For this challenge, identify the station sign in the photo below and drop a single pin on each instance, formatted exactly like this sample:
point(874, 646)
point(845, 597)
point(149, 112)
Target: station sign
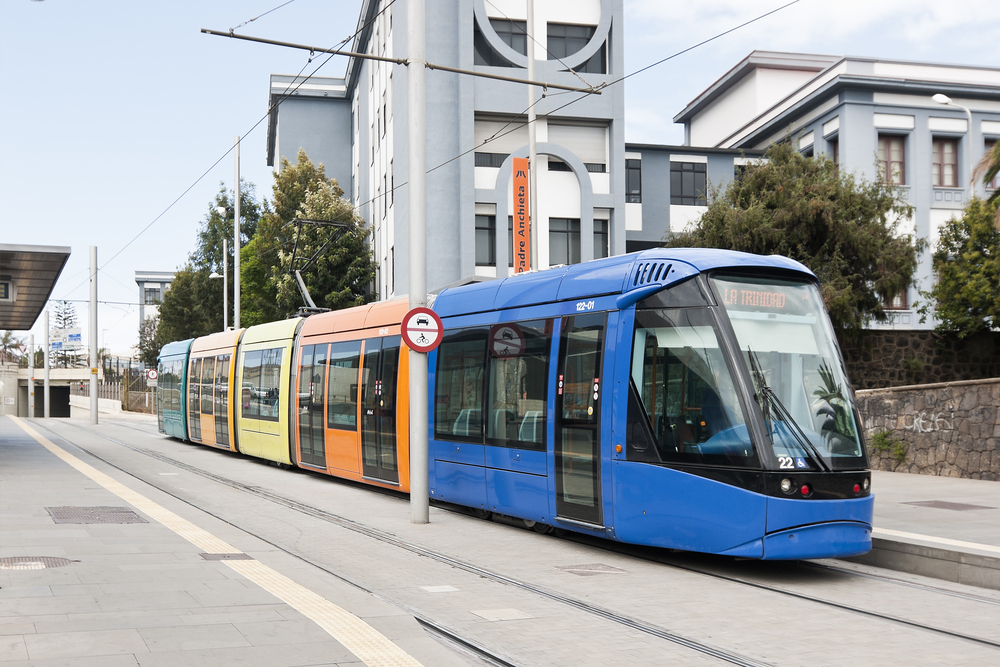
point(421, 329)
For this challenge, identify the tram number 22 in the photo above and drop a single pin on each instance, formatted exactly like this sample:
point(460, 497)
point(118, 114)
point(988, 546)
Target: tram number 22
point(786, 462)
point(584, 306)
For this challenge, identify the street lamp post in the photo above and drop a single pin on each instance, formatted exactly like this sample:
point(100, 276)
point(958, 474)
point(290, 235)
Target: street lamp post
point(225, 280)
point(940, 98)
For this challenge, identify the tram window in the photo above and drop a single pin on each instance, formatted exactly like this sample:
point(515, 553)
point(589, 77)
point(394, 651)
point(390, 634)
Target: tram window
point(194, 386)
point(342, 386)
point(269, 391)
point(176, 367)
point(207, 385)
point(458, 394)
point(251, 382)
point(222, 399)
point(682, 295)
point(518, 379)
point(682, 388)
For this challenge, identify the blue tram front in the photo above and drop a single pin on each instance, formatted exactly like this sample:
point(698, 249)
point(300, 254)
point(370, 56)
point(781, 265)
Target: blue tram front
point(682, 398)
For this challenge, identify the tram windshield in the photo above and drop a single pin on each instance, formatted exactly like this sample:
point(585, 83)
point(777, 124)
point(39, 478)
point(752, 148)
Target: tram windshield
point(784, 325)
point(682, 387)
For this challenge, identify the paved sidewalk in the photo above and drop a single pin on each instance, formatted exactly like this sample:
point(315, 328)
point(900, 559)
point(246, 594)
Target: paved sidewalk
point(110, 594)
point(942, 527)
point(141, 595)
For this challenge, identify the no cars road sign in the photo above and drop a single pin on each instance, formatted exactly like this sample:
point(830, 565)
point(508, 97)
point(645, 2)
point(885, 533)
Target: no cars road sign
point(421, 329)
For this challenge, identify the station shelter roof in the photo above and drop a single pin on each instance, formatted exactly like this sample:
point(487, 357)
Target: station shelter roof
point(30, 273)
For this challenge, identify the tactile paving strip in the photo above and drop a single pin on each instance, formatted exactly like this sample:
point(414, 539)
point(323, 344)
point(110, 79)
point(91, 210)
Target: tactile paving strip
point(33, 562)
point(94, 515)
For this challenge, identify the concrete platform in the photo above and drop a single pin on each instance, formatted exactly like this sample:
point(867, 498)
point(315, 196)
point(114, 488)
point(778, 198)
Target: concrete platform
point(153, 594)
point(942, 527)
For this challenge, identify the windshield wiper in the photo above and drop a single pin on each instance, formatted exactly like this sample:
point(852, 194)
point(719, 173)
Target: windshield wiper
point(766, 398)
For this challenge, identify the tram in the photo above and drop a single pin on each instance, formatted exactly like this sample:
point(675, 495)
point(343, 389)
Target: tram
point(691, 399)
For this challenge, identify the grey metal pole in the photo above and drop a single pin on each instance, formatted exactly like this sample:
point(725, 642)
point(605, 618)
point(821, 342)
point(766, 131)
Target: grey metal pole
point(93, 334)
point(45, 385)
point(236, 241)
point(31, 376)
point(532, 145)
point(225, 284)
point(416, 108)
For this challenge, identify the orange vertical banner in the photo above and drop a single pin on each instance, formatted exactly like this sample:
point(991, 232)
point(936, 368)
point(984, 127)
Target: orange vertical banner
point(522, 226)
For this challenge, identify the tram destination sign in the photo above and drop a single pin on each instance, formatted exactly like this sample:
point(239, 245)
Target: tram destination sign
point(421, 329)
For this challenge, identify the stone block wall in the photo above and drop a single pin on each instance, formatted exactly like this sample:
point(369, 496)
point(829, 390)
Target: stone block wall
point(886, 358)
point(950, 429)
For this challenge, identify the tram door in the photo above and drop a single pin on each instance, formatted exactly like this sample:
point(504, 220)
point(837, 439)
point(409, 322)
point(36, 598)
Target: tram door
point(578, 418)
point(379, 371)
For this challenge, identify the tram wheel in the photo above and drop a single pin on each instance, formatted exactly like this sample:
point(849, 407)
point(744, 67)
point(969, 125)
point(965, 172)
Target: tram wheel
point(542, 528)
point(481, 513)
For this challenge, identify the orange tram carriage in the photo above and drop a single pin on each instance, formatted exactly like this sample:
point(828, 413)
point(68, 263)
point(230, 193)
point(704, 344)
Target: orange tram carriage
point(684, 398)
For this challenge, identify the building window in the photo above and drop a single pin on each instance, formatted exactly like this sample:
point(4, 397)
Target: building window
point(565, 40)
point(486, 240)
point(490, 159)
point(564, 241)
point(558, 165)
point(891, 158)
point(688, 183)
point(600, 239)
point(633, 181)
point(596, 167)
point(995, 183)
point(152, 296)
point(897, 302)
point(944, 163)
point(512, 33)
point(835, 150)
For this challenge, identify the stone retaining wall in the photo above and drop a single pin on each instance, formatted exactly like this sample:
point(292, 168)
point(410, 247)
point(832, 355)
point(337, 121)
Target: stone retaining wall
point(950, 429)
point(887, 358)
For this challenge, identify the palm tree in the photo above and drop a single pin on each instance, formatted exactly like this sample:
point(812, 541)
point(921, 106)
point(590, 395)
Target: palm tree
point(9, 342)
point(987, 170)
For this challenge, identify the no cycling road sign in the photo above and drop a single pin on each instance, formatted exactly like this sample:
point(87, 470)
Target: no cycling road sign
point(421, 329)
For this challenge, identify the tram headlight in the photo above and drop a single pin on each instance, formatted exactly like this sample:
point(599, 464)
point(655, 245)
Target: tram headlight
point(787, 485)
point(865, 484)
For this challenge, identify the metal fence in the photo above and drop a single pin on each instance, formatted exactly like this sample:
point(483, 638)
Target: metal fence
point(136, 395)
point(131, 390)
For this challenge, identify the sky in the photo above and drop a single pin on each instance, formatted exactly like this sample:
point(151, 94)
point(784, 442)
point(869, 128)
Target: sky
point(112, 112)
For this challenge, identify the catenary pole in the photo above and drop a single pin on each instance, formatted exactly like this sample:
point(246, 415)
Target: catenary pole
point(45, 356)
point(93, 334)
point(416, 110)
point(532, 145)
point(236, 240)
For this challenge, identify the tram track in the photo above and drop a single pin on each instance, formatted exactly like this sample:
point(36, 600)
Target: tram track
point(619, 548)
point(642, 553)
point(444, 633)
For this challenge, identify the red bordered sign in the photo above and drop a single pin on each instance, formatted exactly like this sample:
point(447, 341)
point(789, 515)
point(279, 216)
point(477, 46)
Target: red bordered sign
point(421, 330)
point(506, 340)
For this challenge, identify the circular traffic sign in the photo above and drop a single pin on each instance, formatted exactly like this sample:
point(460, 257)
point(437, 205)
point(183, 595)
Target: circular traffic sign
point(421, 329)
point(151, 374)
point(506, 340)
